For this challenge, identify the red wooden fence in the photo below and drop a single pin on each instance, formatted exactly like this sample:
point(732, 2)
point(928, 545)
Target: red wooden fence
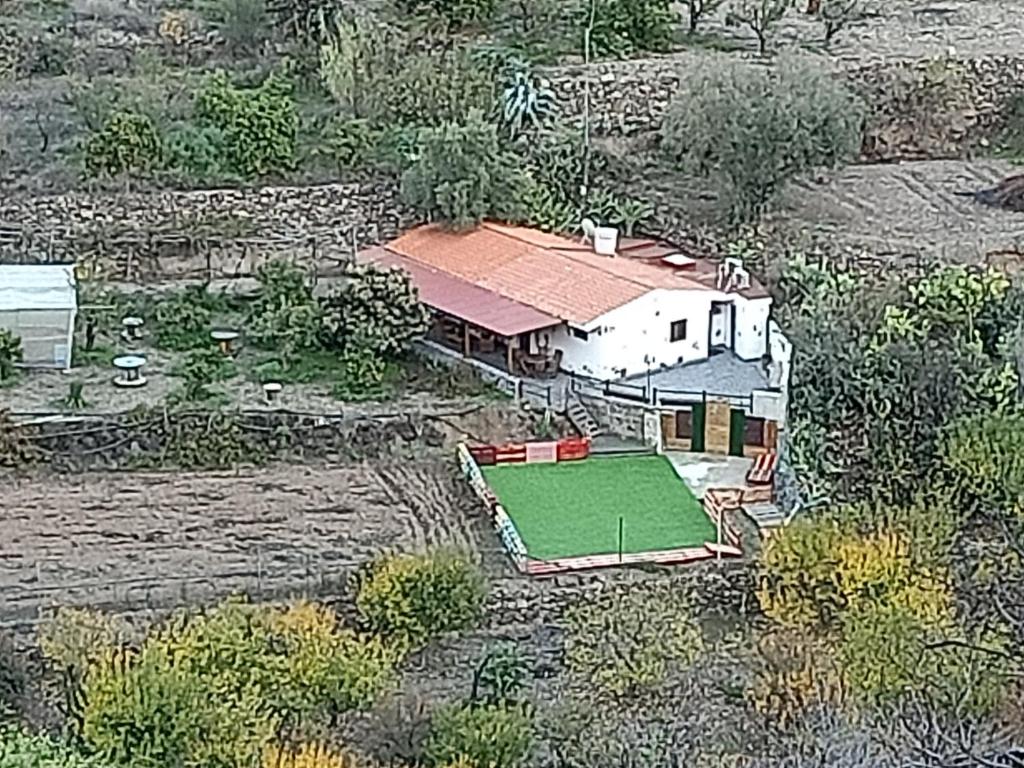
point(566, 449)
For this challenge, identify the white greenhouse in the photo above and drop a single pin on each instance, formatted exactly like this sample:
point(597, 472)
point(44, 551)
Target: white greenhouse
point(38, 303)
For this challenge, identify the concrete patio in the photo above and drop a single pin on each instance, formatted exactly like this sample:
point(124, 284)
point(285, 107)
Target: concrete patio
point(721, 374)
point(701, 471)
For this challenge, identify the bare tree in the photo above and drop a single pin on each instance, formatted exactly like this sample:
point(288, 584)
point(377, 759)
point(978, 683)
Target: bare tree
point(836, 16)
point(760, 16)
point(698, 9)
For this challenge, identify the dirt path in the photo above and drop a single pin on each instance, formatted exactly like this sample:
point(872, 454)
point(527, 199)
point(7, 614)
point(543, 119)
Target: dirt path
point(153, 540)
point(911, 210)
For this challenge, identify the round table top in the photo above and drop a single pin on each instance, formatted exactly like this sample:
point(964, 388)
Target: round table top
point(272, 386)
point(132, 321)
point(129, 361)
point(224, 335)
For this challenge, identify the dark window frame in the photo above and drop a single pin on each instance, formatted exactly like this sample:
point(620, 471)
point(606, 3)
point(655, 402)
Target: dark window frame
point(674, 326)
point(579, 333)
point(754, 430)
point(684, 425)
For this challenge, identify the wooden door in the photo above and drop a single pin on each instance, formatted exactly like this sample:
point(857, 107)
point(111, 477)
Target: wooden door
point(718, 427)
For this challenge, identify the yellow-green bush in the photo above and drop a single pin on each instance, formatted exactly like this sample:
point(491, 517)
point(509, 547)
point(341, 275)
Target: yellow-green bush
point(480, 736)
point(309, 755)
point(412, 598)
point(816, 570)
point(213, 689)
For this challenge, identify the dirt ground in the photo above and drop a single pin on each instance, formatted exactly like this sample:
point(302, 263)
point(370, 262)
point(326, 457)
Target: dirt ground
point(910, 209)
point(153, 540)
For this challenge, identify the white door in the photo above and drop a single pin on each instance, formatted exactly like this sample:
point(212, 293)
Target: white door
point(720, 336)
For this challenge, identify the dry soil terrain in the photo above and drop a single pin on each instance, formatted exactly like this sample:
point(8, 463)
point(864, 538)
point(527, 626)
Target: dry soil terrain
point(911, 209)
point(153, 540)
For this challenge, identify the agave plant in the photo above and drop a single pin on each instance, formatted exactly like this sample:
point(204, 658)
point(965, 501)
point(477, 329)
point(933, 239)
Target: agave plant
point(526, 101)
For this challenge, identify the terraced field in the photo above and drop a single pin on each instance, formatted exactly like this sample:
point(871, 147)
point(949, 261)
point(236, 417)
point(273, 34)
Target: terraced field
point(911, 209)
point(155, 540)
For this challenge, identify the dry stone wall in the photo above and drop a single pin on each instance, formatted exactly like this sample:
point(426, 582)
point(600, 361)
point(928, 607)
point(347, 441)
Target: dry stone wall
point(215, 233)
point(925, 109)
point(630, 98)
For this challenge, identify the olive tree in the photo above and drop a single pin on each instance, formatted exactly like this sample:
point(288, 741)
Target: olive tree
point(752, 130)
point(462, 175)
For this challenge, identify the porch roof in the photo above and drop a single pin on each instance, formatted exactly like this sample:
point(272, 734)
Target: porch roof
point(460, 298)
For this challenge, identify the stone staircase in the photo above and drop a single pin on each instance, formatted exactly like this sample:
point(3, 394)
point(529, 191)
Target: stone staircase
point(765, 514)
point(581, 419)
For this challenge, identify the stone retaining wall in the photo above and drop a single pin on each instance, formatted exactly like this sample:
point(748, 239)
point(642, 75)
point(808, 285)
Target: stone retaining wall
point(155, 438)
point(141, 237)
point(630, 98)
point(926, 109)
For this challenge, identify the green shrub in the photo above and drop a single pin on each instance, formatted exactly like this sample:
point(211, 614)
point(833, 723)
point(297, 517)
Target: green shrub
point(10, 353)
point(500, 675)
point(486, 736)
point(416, 597)
point(363, 373)
point(285, 316)
point(463, 175)
point(183, 319)
point(21, 749)
point(351, 143)
point(128, 142)
point(753, 130)
point(983, 455)
point(378, 73)
point(259, 124)
point(194, 151)
point(621, 27)
point(202, 367)
point(374, 309)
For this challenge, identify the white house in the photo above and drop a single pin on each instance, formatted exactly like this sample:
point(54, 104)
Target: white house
point(38, 303)
point(531, 301)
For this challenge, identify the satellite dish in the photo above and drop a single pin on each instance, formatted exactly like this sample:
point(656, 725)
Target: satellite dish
point(589, 228)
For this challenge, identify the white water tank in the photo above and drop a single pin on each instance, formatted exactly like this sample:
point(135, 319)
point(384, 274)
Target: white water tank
point(606, 240)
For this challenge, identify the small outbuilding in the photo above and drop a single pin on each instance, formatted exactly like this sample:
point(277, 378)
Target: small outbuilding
point(38, 303)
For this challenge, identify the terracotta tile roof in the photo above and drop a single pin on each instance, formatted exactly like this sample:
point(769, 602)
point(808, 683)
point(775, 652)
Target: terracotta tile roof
point(454, 296)
point(556, 275)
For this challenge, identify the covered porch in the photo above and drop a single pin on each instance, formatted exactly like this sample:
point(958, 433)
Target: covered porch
point(519, 354)
point(480, 324)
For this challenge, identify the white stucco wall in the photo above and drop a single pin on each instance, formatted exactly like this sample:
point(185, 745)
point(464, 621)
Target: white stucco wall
point(622, 338)
point(751, 327)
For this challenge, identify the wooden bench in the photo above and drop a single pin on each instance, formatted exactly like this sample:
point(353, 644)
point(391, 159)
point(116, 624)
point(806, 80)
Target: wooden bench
point(762, 472)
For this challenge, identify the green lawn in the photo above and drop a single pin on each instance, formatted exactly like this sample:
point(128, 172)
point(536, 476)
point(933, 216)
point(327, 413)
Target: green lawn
point(573, 508)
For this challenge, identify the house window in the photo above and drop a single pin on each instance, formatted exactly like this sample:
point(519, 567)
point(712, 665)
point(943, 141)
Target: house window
point(753, 431)
point(684, 425)
point(579, 333)
point(678, 331)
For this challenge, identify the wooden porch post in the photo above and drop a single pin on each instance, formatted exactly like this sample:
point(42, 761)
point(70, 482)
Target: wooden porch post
point(513, 343)
point(465, 340)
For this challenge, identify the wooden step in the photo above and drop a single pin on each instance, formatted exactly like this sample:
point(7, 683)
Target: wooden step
point(580, 418)
point(766, 515)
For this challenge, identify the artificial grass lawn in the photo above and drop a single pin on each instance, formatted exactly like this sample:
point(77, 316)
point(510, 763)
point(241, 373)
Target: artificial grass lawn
point(572, 508)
